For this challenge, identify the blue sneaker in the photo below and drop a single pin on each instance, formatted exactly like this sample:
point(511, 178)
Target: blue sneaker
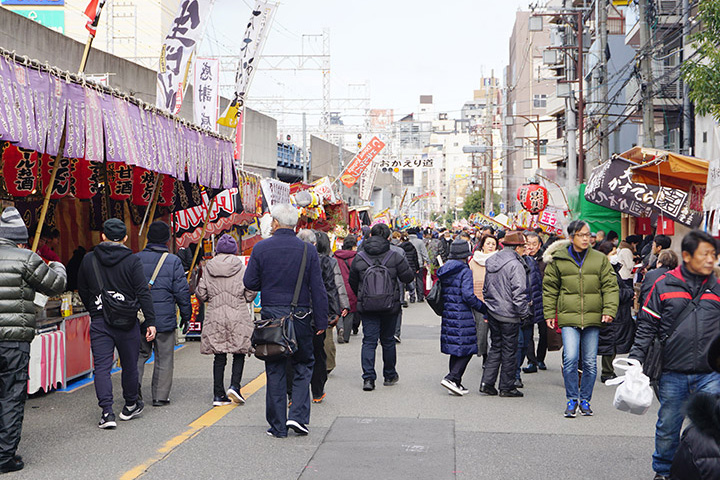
point(571, 409)
point(585, 408)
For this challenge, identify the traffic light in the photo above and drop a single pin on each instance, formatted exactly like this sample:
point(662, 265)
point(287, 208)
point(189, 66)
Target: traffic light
point(359, 144)
point(359, 136)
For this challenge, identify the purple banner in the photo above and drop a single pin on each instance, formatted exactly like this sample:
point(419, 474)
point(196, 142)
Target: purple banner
point(74, 98)
point(39, 87)
point(94, 135)
point(57, 105)
point(8, 129)
point(126, 131)
point(23, 109)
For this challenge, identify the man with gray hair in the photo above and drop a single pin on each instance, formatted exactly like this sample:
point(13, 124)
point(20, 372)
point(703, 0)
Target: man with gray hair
point(273, 270)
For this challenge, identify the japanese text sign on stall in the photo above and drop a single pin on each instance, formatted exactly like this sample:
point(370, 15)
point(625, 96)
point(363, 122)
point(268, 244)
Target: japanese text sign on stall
point(206, 92)
point(179, 45)
point(424, 161)
point(275, 191)
point(361, 161)
point(610, 185)
point(367, 180)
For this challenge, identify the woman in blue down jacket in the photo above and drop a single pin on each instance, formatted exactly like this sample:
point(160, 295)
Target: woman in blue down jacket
point(458, 337)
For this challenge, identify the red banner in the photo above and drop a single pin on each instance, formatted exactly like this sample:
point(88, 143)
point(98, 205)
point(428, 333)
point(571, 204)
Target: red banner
point(84, 178)
point(120, 178)
point(20, 170)
point(62, 177)
point(361, 161)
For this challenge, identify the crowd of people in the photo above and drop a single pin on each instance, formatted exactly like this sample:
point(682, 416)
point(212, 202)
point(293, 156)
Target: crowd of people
point(589, 294)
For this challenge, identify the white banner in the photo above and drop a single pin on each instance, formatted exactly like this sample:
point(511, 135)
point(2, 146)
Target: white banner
point(367, 180)
point(206, 98)
point(185, 33)
point(252, 44)
point(275, 191)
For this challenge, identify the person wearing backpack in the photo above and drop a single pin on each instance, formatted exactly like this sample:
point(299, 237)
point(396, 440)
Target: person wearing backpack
point(111, 283)
point(168, 287)
point(374, 276)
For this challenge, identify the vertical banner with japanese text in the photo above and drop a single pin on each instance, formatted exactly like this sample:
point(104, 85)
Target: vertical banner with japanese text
point(179, 45)
point(206, 83)
point(361, 161)
point(252, 43)
point(367, 181)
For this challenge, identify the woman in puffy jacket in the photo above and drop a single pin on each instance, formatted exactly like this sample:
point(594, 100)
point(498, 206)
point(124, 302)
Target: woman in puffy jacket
point(458, 335)
point(228, 324)
point(487, 247)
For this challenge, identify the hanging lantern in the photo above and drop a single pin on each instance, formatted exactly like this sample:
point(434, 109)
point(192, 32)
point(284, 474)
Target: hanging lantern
point(120, 179)
point(62, 178)
point(20, 169)
point(533, 197)
point(84, 178)
point(167, 191)
point(143, 183)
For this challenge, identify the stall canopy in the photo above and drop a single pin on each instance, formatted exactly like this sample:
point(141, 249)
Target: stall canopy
point(666, 169)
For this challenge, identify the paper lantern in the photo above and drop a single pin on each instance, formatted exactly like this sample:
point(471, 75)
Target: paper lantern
point(143, 182)
point(533, 197)
point(62, 177)
point(20, 169)
point(167, 191)
point(84, 178)
point(120, 178)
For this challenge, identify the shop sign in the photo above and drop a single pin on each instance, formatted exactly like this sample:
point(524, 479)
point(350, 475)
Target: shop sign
point(275, 191)
point(52, 19)
point(55, 3)
point(361, 161)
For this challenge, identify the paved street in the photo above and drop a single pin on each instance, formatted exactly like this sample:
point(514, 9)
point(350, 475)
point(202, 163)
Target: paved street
point(411, 430)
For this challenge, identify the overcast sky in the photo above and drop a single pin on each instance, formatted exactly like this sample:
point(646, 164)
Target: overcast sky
point(402, 48)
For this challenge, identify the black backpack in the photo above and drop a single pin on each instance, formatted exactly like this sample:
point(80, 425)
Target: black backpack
point(377, 290)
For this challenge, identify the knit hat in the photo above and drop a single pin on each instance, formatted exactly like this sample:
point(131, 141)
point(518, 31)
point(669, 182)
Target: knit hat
point(159, 232)
point(514, 238)
point(114, 229)
point(227, 244)
point(12, 226)
point(459, 250)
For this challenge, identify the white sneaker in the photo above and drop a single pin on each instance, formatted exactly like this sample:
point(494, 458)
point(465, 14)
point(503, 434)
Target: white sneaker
point(452, 386)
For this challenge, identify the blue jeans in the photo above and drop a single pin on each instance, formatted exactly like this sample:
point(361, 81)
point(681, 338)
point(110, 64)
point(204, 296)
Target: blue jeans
point(302, 361)
point(575, 340)
point(378, 327)
point(673, 391)
point(526, 336)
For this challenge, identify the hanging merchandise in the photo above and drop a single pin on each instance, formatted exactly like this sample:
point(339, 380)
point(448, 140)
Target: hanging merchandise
point(120, 179)
point(665, 226)
point(643, 226)
point(20, 170)
point(533, 197)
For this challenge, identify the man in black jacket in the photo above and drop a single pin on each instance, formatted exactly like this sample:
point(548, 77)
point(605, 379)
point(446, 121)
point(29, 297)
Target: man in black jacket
point(685, 368)
point(22, 274)
point(122, 276)
point(379, 325)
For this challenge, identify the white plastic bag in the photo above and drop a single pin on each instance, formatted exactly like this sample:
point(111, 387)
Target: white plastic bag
point(633, 393)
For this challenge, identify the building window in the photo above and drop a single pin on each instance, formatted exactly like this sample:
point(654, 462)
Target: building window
point(540, 101)
point(408, 177)
point(528, 163)
point(704, 137)
point(543, 147)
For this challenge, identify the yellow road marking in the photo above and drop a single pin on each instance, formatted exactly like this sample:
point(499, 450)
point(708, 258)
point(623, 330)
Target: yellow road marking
point(208, 419)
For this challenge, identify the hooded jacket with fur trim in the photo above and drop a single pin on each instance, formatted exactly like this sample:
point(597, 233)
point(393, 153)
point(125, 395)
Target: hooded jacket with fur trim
point(698, 455)
point(578, 289)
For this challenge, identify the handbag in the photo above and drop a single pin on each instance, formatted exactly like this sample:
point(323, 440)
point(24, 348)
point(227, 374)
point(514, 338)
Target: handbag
point(274, 338)
point(435, 298)
point(141, 314)
point(116, 309)
point(652, 366)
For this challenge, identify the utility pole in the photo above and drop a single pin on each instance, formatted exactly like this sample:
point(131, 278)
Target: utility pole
point(687, 127)
point(646, 74)
point(602, 80)
point(305, 155)
point(581, 98)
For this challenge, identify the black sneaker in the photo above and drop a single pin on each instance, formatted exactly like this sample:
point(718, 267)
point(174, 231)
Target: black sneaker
point(221, 400)
point(660, 477)
point(234, 394)
point(542, 366)
point(571, 410)
point(12, 465)
point(296, 427)
point(488, 389)
point(369, 385)
point(129, 412)
point(518, 383)
point(511, 393)
point(585, 409)
point(531, 368)
point(107, 421)
point(452, 387)
point(391, 381)
point(397, 338)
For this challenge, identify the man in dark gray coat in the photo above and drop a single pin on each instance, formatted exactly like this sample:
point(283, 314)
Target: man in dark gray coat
point(22, 275)
point(508, 303)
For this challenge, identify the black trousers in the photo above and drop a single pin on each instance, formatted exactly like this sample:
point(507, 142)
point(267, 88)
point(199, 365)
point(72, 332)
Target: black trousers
point(319, 374)
point(14, 359)
point(457, 368)
point(219, 372)
point(502, 357)
point(532, 357)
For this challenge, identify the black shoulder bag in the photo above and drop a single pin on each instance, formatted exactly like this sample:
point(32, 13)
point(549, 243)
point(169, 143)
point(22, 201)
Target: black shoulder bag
point(652, 366)
point(274, 338)
point(117, 310)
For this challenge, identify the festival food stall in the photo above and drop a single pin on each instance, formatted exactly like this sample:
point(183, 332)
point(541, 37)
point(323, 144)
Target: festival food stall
point(74, 154)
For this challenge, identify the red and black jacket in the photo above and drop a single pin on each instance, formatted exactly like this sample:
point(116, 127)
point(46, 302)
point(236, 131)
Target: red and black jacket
point(686, 348)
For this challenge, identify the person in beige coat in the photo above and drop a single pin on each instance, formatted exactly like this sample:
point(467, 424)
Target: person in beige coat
point(228, 324)
point(486, 248)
